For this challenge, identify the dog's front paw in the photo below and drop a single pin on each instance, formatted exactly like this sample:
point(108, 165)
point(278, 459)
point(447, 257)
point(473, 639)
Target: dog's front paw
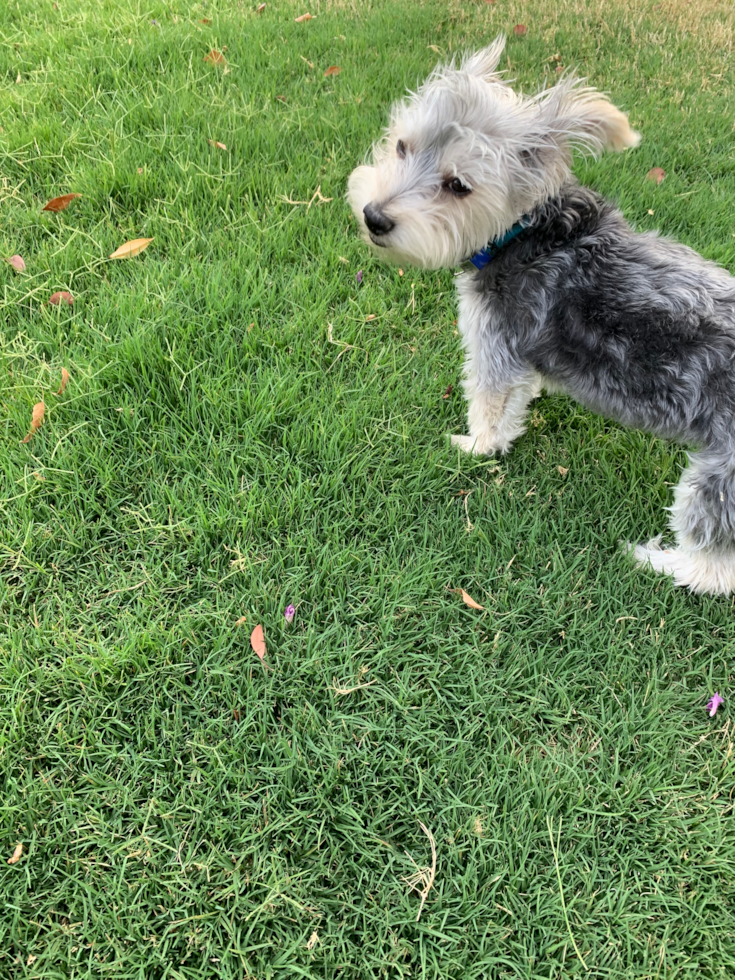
point(474, 445)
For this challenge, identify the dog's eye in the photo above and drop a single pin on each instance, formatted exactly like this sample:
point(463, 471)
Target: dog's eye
point(457, 187)
point(401, 149)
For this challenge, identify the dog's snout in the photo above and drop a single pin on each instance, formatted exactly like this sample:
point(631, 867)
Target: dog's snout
point(377, 222)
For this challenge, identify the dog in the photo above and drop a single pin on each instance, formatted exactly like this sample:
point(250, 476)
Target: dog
point(557, 291)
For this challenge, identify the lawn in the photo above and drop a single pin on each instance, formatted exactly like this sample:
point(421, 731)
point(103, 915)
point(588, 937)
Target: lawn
point(244, 427)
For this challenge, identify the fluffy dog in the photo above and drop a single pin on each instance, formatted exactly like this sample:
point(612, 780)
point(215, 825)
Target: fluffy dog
point(558, 291)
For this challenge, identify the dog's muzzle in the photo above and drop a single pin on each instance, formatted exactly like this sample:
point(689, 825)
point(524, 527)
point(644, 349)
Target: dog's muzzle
point(377, 223)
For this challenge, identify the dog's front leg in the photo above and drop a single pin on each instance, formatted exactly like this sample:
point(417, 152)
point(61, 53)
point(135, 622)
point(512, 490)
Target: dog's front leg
point(498, 388)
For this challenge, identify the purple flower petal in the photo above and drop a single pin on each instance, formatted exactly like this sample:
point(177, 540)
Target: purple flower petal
point(359, 278)
point(714, 703)
point(289, 613)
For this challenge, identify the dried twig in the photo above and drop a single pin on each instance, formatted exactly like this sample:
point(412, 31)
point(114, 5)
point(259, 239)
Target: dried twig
point(423, 876)
point(317, 194)
point(348, 690)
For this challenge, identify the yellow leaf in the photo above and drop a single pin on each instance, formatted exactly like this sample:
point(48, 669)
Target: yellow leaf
point(469, 601)
point(36, 419)
point(129, 249)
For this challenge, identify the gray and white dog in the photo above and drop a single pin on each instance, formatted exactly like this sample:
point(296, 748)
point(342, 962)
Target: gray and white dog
point(561, 293)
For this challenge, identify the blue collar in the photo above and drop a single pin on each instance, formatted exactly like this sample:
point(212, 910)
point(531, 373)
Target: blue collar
point(485, 255)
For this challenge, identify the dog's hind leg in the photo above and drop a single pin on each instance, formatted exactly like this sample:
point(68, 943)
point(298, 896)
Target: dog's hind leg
point(703, 521)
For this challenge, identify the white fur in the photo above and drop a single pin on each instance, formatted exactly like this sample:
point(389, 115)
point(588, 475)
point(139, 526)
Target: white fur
point(514, 152)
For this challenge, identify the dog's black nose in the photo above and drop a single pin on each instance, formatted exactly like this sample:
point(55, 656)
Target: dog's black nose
point(377, 222)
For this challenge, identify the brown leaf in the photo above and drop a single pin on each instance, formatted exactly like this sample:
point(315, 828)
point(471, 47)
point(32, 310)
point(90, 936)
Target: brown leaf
point(332, 70)
point(129, 249)
point(215, 57)
point(36, 421)
point(519, 30)
point(64, 381)
point(657, 174)
point(257, 641)
point(216, 143)
point(17, 263)
point(60, 203)
point(260, 9)
point(448, 392)
point(563, 470)
point(302, 18)
point(17, 854)
point(240, 621)
point(236, 714)
point(281, 98)
point(469, 601)
point(206, 20)
point(58, 298)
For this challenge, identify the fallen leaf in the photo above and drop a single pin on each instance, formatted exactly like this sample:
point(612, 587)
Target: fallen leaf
point(140, 170)
point(206, 20)
point(17, 263)
point(371, 316)
point(448, 392)
point(563, 470)
point(332, 70)
point(303, 17)
point(650, 211)
point(240, 621)
point(36, 421)
point(260, 9)
point(60, 203)
point(236, 714)
point(657, 174)
point(257, 641)
point(216, 143)
point(64, 381)
point(58, 298)
point(129, 249)
point(17, 853)
point(19, 80)
point(280, 98)
point(215, 57)
point(400, 272)
point(519, 30)
point(313, 940)
point(41, 479)
point(469, 601)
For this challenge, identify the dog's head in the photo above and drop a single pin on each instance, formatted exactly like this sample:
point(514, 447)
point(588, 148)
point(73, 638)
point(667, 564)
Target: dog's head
point(465, 157)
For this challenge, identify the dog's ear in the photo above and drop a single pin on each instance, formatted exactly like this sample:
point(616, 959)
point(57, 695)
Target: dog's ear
point(571, 114)
point(484, 62)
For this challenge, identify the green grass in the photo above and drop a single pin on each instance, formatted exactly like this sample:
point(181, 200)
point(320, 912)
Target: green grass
point(238, 434)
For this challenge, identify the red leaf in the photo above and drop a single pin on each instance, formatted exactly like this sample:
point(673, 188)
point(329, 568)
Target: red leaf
point(332, 70)
point(60, 203)
point(257, 641)
point(519, 30)
point(17, 263)
point(58, 298)
point(657, 174)
point(215, 57)
point(64, 381)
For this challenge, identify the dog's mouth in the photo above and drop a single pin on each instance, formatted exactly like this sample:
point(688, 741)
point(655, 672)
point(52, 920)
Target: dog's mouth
point(376, 240)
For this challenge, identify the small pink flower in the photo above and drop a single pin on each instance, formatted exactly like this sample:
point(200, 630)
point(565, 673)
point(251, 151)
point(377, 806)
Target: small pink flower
point(358, 276)
point(289, 613)
point(714, 703)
